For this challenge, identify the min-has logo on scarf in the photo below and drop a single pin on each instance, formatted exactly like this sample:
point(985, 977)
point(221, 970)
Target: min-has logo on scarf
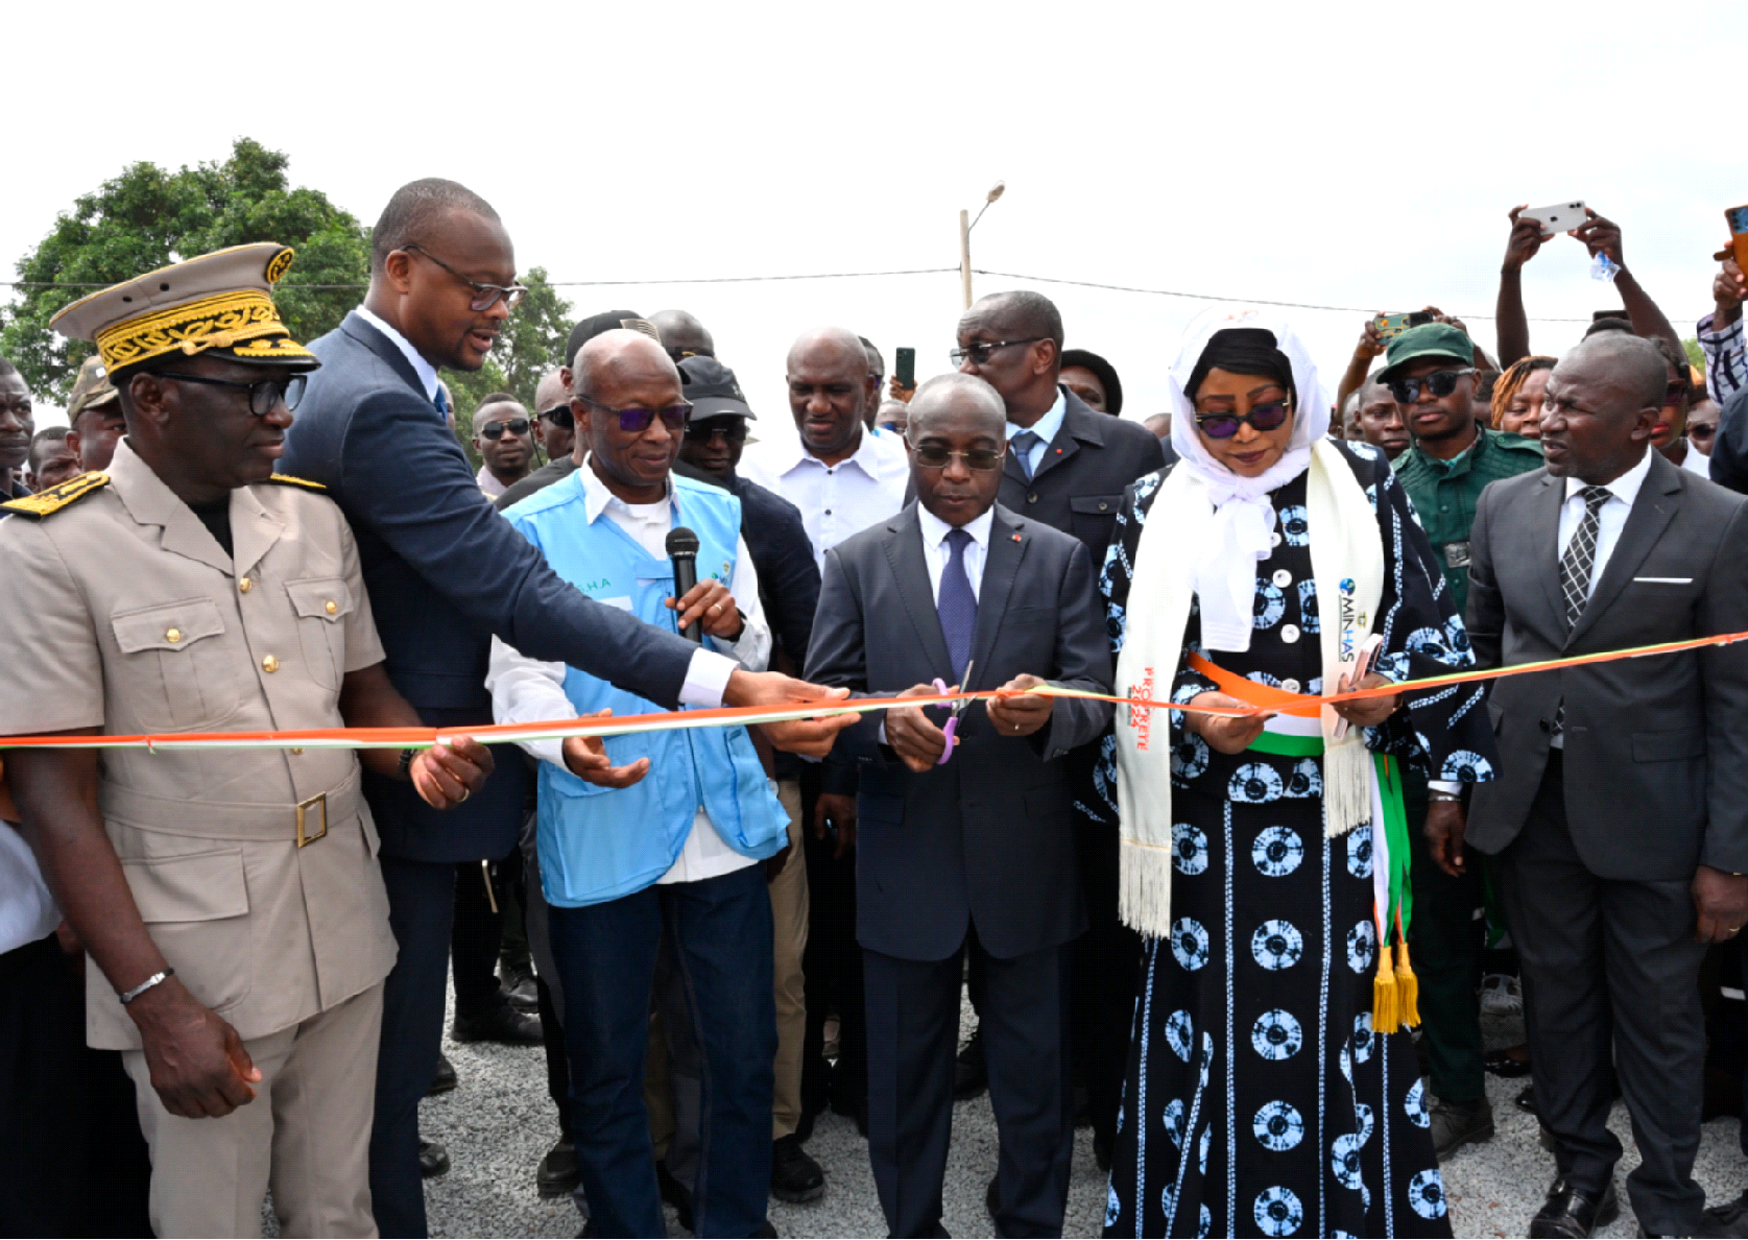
point(1141, 717)
point(1353, 620)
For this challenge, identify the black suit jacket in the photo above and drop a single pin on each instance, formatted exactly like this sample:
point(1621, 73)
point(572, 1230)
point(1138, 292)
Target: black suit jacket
point(1082, 475)
point(1656, 749)
point(445, 572)
point(987, 837)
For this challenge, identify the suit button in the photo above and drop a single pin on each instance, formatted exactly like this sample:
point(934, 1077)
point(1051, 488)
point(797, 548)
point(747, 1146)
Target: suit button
point(1103, 505)
point(1032, 498)
point(270, 664)
point(1289, 633)
point(244, 585)
point(172, 635)
point(330, 607)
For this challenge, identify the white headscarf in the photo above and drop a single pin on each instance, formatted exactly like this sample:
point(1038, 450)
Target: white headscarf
point(1244, 517)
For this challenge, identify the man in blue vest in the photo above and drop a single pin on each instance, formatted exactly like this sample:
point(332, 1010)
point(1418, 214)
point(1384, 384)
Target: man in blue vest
point(634, 867)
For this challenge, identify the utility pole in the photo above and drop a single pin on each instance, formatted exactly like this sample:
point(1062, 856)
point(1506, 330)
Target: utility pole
point(966, 224)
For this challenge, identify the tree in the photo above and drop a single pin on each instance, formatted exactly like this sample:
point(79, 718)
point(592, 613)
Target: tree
point(148, 218)
point(530, 344)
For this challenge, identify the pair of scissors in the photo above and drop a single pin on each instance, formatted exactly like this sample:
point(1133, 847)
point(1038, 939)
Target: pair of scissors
point(957, 709)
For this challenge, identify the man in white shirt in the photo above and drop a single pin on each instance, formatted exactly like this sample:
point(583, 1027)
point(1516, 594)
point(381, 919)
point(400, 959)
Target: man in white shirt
point(1620, 814)
point(503, 435)
point(630, 865)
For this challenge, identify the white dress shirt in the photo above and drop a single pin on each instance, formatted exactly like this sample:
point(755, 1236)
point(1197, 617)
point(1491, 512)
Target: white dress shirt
point(27, 910)
point(937, 554)
point(836, 501)
point(1044, 428)
point(488, 482)
point(526, 690)
point(1696, 462)
point(425, 370)
point(1610, 518)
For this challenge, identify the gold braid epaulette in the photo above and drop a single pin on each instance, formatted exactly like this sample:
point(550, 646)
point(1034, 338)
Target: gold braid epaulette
point(286, 480)
point(47, 503)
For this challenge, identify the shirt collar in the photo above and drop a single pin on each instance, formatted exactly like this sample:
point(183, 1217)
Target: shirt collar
point(1626, 487)
point(867, 457)
point(936, 530)
point(1458, 464)
point(597, 499)
point(425, 370)
point(1045, 428)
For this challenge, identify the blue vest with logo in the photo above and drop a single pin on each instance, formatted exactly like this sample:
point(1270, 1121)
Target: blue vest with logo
point(597, 844)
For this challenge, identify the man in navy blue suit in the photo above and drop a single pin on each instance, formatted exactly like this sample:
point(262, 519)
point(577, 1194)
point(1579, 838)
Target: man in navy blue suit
point(445, 573)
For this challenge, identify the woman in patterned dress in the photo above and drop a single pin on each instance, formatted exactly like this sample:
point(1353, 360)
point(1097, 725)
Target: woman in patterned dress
point(1258, 1099)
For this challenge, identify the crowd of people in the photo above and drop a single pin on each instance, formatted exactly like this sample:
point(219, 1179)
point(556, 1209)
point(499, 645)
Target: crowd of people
point(1251, 950)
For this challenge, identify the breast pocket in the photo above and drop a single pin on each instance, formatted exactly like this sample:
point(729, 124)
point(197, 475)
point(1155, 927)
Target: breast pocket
point(322, 605)
point(175, 670)
point(1092, 517)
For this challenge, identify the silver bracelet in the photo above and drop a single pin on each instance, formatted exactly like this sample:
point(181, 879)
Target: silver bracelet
point(1442, 796)
point(128, 996)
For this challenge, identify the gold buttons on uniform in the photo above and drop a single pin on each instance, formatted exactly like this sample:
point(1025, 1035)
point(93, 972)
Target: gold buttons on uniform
point(172, 635)
point(243, 585)
point(270, 664)
point(331, 607)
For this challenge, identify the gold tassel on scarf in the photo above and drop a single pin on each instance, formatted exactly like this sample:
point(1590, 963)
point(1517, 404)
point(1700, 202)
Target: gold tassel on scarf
point(1407, 985)
point(1386, 1016)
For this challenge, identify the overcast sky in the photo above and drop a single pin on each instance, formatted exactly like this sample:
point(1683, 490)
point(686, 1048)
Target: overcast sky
point(1345, 155)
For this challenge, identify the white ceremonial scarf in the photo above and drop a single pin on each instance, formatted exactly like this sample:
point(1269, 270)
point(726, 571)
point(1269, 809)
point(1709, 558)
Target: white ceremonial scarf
point(1171, 565)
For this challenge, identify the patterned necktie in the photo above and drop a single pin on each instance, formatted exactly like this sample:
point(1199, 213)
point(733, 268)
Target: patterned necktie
point(1022, 445)
point(1579, 561)
point(1576, 566)
point(957, 604)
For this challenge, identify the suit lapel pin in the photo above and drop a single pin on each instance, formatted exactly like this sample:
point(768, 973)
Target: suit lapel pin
point(1016, 538)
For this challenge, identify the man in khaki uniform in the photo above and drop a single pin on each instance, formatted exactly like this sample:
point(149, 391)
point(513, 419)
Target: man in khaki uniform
point(229, 898)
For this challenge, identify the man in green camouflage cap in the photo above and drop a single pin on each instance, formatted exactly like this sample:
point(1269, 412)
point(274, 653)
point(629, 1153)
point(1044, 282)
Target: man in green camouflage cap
point(94, 417)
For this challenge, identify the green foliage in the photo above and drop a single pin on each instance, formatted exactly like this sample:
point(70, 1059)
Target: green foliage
point(1695, 354)
point(530, 344)
point(147, 218)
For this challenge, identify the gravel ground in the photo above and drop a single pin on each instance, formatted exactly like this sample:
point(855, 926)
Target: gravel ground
point(499, 1123)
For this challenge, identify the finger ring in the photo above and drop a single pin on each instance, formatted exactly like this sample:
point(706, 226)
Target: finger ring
point(716, 607)
point(465, 793)
point(1735, 929)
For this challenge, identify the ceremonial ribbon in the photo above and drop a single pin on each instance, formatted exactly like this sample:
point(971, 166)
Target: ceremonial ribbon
point(1258, 699)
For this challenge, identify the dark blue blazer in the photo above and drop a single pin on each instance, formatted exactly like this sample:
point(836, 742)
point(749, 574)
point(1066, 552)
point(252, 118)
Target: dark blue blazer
point(988, 837)
point(445, 572)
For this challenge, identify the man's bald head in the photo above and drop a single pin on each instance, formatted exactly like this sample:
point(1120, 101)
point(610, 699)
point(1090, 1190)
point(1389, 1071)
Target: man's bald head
point(617, 359)
point(680, 330)
point(1630, 364)
point(834, 346)
point(551, 390)
point(958, 393)
point(1601, 407)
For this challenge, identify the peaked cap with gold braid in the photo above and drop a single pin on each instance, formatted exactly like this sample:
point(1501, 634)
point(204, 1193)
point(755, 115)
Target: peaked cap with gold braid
point(219, 303)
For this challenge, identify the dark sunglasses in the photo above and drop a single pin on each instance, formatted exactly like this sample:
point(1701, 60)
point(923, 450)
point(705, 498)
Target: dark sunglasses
point(731, 430)
point(495, 430)
point(485, 296)
point(979, 351)
point(558, 415)
point(264, 394)
point(1702, 431)
point(1440, 383)
point(934, 456)
point(636, 421)
point(1673, 394)
point(1265, 417)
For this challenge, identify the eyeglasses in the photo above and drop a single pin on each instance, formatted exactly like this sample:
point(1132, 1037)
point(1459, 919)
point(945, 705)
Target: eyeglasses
point(979, 351)
point(264, 394)
point(558, 415)
point(495, 430)
point(731, 430)
point(1704, 430)
point(1673, 394)
point(934, 456)
point(485, 296)
point(636, 421)
point(1440, 383)
point(1265, 417)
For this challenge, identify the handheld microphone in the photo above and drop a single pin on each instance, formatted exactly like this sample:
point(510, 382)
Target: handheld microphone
point(683, 553)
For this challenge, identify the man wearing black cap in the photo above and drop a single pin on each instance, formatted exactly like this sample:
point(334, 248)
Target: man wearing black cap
point(789, 590)
point(1093, 379)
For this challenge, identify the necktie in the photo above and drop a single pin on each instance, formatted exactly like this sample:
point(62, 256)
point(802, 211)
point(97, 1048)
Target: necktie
point(441, 404)
point(1576, 567)
point(1022, 444)
point(956, 604)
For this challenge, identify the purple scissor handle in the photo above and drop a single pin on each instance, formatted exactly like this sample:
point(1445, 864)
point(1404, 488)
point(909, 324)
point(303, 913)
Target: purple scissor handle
point(952, 724)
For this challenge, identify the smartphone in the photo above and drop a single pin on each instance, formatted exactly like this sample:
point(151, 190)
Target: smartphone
point(904, 369)
point(1362, 664)
point(1391, 326)
point(1559, 218)
point(1737, 217)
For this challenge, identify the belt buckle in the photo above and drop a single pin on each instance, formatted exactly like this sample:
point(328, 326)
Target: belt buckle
point(319, 801)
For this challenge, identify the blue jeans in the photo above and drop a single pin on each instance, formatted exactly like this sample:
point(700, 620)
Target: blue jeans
point(719, 931)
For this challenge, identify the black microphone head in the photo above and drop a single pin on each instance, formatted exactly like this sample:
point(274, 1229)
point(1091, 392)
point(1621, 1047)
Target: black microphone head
point(682, 542)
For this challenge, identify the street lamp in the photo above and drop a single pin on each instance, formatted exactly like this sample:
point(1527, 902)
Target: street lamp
point(966, 224)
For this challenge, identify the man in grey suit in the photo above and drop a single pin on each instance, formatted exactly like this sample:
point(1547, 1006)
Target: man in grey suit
point(1620, 819)
point(976, 833)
